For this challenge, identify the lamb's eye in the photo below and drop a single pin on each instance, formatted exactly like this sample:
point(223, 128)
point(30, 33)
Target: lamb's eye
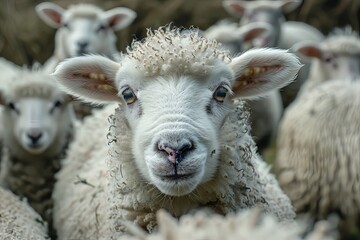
point(101, 28)
point(66, 25)
point(129, 96)
point(12, 106)
point(57, 104)
point(220, 94)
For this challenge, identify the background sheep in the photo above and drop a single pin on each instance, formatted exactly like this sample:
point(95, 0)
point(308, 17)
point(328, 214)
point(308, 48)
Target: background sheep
point(318, 146)
point(36, 122)
point(184, 152)
point(337, 57)
point(265, 112)
point(284, 35)
point(245, 225)
point(18, 220)
point(83, 28)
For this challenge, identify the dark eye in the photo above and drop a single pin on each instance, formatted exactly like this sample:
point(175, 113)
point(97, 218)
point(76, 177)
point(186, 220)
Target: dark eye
point(66, 25)
point(57, 104)
point(101, 28)
point(129, 96)
point(12, 106)
point(220, 94)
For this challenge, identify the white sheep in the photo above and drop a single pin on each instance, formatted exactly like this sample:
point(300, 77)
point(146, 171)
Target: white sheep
point(176, 142)
point(318, 154)
point(284, 35)
point(265, 112)
point(83, 28)
point(248, 224)
point(36, 121)
point(18, 220)
point(336, 57)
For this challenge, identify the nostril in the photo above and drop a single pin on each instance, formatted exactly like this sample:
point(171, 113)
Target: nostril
point(176, 154)
point(82, 44)
point(35, 137)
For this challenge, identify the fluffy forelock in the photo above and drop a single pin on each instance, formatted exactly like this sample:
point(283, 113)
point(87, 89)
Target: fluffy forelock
point(168, 51)
point(84, 10)
point(343, 41)
point(33, 83)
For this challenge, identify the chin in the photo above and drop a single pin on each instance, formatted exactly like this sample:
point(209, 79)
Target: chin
point(35, 150)
point(177, 186)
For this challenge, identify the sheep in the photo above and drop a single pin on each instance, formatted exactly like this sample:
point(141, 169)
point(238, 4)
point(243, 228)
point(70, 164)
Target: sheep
point(335, 57)
point(265, 112)
point(18, 220)
point(82, 29)
point(175, 141)
point(318, 145)
point(247, 224)
point(37, 124)
point(284, 35)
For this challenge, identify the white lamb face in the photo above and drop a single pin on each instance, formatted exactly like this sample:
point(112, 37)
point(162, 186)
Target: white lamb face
point(271, 12)
point(86, 35)
point(32, 121)
point(175, 123)
point(341, 66)
point(176, 91)
point(85, 28)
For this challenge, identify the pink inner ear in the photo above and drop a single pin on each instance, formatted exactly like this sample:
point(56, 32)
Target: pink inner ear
point(113, 21)
point(310, 51)
point(237, 7)
point(55, 16)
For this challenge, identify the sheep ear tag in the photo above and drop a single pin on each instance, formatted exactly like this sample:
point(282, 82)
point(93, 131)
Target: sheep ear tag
point(90, 78)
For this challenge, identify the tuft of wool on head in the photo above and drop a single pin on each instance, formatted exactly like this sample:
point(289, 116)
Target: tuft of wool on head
point(343, 41)
point(169, 51)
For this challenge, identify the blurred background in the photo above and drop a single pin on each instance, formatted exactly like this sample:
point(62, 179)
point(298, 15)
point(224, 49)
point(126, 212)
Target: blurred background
point(24, 38)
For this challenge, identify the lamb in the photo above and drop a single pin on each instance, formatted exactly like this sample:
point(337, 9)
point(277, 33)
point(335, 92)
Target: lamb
point(318, 146)
point(175, 135)
point(18, 220)
point(247, 224)
point(265, 112)
point(83, 28)
point(284, 35)
point(36, 121)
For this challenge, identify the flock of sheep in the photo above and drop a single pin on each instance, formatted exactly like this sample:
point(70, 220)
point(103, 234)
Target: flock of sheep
point(173, 150)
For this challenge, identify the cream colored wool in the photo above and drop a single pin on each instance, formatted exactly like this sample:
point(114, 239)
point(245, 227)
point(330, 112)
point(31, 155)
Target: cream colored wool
point(101, 201)
point(245, 225)
point(18, 221)
point(318, 154)
point(104, 178)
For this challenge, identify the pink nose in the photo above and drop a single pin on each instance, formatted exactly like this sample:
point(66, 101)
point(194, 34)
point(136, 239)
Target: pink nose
point(176, 155)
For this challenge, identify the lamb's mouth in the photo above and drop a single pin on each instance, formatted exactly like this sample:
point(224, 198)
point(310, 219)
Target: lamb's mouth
point(176, 177)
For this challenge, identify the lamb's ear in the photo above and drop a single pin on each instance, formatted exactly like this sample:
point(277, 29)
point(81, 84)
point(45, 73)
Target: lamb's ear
point(119, 18)
point(90, 78)
point(288, 6)
point(50, 13)
point(235, 8)
point(259, 71)
point(308, 49)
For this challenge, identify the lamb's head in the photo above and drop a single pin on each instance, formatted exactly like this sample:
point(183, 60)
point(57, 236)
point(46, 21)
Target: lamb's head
point(338, 56)
point(176, 91)
point(271, 12)
point(85, 28)
point(36, 114)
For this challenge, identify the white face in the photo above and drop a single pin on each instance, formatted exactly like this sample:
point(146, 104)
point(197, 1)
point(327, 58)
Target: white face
point(341, 66)
point(176, 123)
point(86, 35)
point(33, 122)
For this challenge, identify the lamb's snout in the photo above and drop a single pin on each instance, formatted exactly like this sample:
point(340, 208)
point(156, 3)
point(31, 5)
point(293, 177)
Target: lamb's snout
point(82, 47)
point(176, 153)
point(34, 137)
